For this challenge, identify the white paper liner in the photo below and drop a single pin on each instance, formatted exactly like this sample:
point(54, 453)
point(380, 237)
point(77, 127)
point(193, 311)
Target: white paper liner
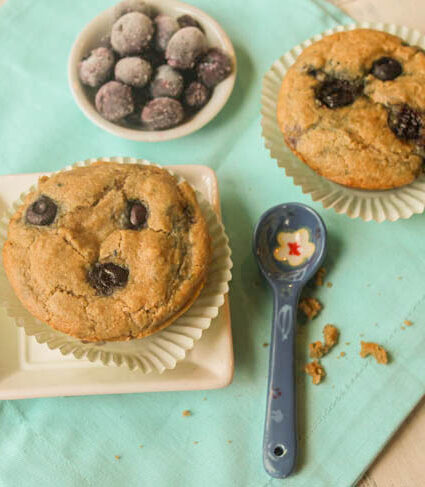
point(158, 352)
point(369, 205)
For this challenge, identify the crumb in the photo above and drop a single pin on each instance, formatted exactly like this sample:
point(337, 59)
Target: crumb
point(347, 343)
point(140, 446)
point(368, 285)
point(402, 327)
point(310, 307)
point(361, 334)
point(195, 442)
point(407, 322)
point(333, 387)
point(342, 354)
point(331, 335)
point(400, 278)
point(229, 441)
point(320, 274)
point(186, 412)
point(317, 350)
point(369, 348)
point(265, 344)
point(329, 284)
point(315, 370)
point(117, 457)
point(205, 398)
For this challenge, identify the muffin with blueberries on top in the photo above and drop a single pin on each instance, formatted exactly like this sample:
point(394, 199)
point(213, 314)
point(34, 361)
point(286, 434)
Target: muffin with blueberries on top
point(352, 107)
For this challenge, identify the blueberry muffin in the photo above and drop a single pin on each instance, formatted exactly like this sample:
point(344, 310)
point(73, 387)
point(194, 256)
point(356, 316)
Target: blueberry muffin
point(108, 252)
point(352, 107)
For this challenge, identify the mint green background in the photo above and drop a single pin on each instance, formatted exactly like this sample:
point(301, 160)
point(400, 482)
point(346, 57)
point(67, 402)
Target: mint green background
point(344, 422)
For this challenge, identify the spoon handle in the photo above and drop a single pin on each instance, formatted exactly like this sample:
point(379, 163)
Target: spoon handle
point(280, 437)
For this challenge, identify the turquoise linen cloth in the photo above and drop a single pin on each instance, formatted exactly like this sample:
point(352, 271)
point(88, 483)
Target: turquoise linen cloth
point(377, 272)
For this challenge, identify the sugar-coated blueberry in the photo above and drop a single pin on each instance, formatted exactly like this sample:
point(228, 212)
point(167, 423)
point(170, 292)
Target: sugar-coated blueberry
point(162, 113)
point(114, 101)
point(97, 67)
point(196, 95)
point(185, 47)
point(127, 6)
point(214, 67)
point(133, 71)
point(131, 33)
point(166, 27)
point(167, 82)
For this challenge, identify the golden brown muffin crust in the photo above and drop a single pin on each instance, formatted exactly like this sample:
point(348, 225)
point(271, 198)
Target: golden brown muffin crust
point(353, 144)
point(167, 259)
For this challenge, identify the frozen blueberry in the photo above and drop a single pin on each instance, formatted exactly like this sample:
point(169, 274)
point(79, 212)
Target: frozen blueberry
point(162, 113)
point(114, 101)
point(405, 122)
point(133, 71)
point(196, 95)
point(97, 67)
point(188, 21)
point(386, 68)
point(105, 278)
point(185, 47)
point(127, 6)
point(214, 67)
point(131, 33)
point(336, 93)
point(166, 27)
point(41, 212)
point(167, 82)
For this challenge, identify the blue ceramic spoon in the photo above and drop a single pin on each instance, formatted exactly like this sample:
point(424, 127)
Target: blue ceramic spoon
point(289, 245)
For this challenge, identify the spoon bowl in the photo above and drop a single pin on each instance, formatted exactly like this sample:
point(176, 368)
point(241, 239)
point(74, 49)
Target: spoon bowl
point(290, 245)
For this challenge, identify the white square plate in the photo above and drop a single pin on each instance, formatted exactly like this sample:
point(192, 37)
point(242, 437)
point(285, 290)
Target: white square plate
point(29, 369)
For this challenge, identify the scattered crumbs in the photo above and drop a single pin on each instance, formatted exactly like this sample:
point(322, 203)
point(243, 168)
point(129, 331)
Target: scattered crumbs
point(317, 350)
point(347, 343)
point(342, 354)
point(186, 412)
point(205, 398)
point(329, 284)
point(320, 275)
point(265, 344)
point(315, 370)
point(402, 327)
point(370, 348)
point(140, 446)
point(195, 442)
point(331, 335)
point(117, 457)
point(310, 307)
point(229, 441)
point(400, 278)
point(407, 322)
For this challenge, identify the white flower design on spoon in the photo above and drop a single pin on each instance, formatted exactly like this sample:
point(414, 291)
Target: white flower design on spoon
point(294, 247)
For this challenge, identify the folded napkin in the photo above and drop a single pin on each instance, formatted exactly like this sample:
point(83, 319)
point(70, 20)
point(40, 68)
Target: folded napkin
point(376, 269)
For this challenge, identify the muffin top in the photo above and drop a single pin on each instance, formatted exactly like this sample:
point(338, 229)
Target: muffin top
point(352, 107)
point(108, 252)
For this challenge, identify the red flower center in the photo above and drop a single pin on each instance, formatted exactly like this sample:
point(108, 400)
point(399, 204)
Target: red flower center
point(294, 248)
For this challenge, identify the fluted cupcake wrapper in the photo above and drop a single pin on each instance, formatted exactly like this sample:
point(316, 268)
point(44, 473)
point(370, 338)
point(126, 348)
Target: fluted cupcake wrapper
point(157, 352)
point(368, 205)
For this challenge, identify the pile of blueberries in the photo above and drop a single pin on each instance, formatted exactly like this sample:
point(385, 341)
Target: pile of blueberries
point(155, 71)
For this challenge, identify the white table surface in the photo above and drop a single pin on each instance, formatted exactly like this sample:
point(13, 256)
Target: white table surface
point(401, 464)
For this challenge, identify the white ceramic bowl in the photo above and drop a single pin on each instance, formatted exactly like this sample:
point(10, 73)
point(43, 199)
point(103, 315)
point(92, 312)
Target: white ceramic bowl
point(91, 37)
